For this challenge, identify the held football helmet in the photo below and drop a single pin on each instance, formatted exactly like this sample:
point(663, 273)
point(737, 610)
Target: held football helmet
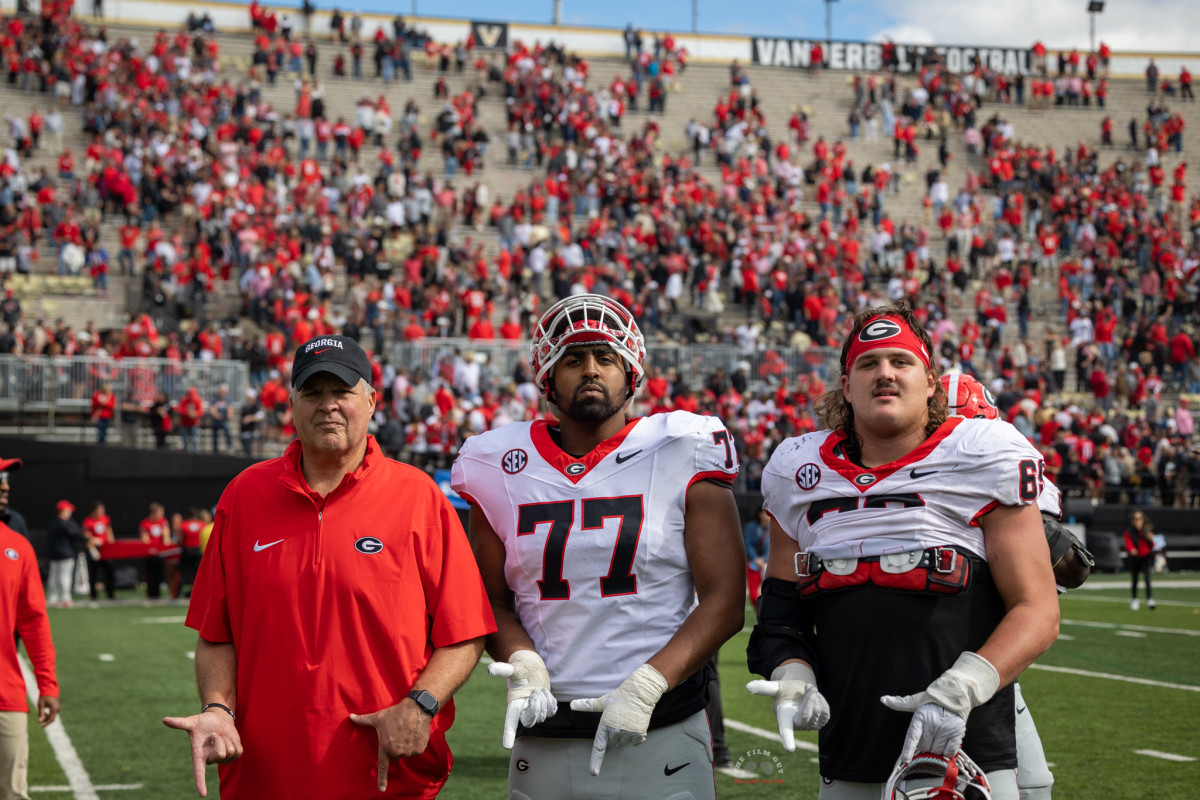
point(584, 319)
point(967, 397)
point(961, 779)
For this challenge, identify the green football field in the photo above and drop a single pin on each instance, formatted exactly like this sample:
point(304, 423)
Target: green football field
point(1117, 702)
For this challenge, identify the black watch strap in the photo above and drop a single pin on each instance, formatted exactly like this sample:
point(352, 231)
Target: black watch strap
point(221, 706)
point(427, 702)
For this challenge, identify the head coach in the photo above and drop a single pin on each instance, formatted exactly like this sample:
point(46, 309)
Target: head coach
point(338, 606)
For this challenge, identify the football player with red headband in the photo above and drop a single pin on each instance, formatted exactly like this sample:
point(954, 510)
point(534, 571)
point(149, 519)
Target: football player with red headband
point(901, 530)
point(605, 544)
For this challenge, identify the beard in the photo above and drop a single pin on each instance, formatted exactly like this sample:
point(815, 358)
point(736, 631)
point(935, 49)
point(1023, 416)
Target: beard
point(592, 408)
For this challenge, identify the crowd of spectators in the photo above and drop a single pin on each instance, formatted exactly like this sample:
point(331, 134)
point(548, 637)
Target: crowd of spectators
point(1119, 242)
point(327, 225)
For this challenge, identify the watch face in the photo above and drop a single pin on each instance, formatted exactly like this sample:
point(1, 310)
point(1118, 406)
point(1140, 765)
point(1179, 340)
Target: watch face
point(427, 702)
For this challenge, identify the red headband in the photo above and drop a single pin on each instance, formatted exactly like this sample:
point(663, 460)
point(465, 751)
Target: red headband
point(887, 331)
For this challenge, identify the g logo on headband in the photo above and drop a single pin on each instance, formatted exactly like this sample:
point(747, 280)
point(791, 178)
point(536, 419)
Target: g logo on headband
point(878, 330)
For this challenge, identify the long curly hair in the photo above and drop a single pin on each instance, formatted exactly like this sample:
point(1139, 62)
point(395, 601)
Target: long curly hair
point(836, 414)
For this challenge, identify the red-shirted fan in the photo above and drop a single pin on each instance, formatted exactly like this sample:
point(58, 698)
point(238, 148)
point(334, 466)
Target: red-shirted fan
point(967, 397)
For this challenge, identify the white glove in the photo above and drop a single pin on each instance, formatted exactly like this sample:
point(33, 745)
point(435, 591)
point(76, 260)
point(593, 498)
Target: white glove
point(798, 704)
point(530, 700)
point(940, 712)
point(625, 712)
point(933, 730)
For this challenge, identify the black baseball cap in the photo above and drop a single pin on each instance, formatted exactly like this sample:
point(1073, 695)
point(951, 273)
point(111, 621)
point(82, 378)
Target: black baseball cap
point(339, 355)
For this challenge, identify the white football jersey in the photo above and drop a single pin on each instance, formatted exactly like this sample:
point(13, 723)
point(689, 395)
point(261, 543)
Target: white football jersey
point(594, 548)
point(932, 497)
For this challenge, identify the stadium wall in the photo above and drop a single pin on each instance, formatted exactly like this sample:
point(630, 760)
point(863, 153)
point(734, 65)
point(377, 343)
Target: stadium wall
point(125, 479)
point(128, 480)
point(783, 52)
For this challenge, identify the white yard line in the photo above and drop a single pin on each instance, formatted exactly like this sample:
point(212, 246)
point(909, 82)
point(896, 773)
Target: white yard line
point(1162, 755)
point(102, 787)
point(1109, 676)
point(163, 620)
point(766, 734)
point(1114, 625)
point(1178, 583)
point(64, 751)
point(738, 773)
point(1124, 600)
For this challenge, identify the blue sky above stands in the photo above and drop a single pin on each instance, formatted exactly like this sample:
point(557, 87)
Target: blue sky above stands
point(1128, 25)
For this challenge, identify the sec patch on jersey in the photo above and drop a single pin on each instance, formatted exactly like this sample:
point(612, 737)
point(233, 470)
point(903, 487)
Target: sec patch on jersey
point(808, 476)
point(514, 461)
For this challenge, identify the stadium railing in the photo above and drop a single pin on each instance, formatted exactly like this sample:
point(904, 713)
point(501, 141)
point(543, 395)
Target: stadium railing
point(693, 363)
point(34, 388)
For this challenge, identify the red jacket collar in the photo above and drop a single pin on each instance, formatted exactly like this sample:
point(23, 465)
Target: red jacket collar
point(293, 477)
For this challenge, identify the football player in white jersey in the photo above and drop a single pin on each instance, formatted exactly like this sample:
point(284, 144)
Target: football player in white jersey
point(908, 572)
point(605, 544)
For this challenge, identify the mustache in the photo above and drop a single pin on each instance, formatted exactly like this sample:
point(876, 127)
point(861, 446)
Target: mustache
point(591, 385)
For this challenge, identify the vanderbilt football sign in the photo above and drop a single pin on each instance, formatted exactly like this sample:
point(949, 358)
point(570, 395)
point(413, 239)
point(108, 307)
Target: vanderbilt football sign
point(868, 56)
point(490, 35)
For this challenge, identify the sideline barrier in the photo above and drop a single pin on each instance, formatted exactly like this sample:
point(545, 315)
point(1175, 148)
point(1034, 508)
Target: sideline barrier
point(65, 384)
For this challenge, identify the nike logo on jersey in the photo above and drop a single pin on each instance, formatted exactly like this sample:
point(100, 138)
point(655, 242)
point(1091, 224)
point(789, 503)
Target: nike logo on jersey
point(914, 474)
point(1021, 710)
point(668, 769)
point(258, 548)
point(621, 459)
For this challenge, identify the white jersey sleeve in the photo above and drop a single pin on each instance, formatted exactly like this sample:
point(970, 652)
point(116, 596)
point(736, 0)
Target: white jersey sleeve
point(793, 471)
point(594, 547)
point(998, 457)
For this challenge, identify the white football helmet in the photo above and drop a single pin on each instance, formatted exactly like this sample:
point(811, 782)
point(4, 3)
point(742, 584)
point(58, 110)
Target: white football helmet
point(961, 779)
point(967, 397)
point(582, 319)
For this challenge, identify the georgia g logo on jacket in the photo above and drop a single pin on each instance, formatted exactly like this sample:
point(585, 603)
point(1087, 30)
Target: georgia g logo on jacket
point(368, 545)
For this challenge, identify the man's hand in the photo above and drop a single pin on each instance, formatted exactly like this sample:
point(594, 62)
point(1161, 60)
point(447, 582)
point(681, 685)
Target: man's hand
point(798, 704)
point(403, 731)
point(47, 708)
point(933, 729)
point(940, 712)
point(625, 712)
point(1071, 560)
point(214, 739)
point(530, 700)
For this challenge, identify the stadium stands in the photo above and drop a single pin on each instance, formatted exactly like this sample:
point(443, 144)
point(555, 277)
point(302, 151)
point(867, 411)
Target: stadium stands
point(520, 177)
